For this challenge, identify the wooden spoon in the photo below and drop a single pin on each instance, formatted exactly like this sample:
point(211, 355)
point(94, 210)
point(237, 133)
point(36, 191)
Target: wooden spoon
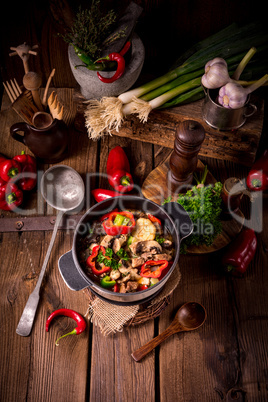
point(189, 317)
point(32, 81)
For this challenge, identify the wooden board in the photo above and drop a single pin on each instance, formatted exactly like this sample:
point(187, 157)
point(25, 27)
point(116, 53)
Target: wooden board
point(155, 188)
point(239, 146)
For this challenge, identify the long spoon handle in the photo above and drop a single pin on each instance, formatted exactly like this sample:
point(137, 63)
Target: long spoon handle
point(26, 321)
point(148, 347)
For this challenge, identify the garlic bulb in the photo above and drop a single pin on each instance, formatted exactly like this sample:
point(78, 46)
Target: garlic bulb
point(216, 74)
point(234, 96)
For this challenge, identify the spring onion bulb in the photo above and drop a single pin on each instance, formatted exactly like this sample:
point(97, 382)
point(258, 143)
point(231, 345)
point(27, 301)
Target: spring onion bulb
point(234, 96)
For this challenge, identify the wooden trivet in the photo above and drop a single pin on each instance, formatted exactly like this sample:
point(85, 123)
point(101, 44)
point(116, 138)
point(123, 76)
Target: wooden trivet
point(130, 315)
point(158, 193)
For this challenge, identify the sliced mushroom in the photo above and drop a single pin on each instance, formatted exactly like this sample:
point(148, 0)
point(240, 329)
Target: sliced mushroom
point(145, 246)
point(144, 230)
point(136, 262)
point(115, 274)
point(118, 243)
point(106, 241)
point(147, 256)
point(159, 257)
point(167, 243)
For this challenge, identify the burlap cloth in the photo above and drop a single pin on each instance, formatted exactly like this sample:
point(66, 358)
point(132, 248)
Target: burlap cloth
point(111, 318)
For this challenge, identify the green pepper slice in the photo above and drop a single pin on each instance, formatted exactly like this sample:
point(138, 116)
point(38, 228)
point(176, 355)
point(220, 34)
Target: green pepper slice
point(107, 283)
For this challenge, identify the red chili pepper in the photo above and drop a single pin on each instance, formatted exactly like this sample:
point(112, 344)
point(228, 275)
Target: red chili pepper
point(154, 219)
point(91, 261)
point(120, 68)
point(81, 323)
point(240, 252)
point(10, 196)
point(101, 194)
point(148, 273)
point(112, 229)
point(257, 179)
point(9, 168)
point(118, 170)
point(125, 48)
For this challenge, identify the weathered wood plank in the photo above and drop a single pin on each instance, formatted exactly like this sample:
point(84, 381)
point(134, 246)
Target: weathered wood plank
point(239, 146)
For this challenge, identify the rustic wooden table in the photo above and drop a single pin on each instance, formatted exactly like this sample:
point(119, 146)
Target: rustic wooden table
point(226, 359)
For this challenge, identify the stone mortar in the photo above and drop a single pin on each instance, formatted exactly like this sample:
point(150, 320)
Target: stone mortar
point(93, 88)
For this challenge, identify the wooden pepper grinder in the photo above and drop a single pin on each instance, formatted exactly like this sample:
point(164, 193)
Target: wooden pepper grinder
point(32, 81)
point(183, 161)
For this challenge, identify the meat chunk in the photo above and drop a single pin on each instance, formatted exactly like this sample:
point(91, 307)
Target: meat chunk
point(132, 286)
point(115, 274)
point(140, 247)
point(125, 278)
point(159, 257)
point(106, 241)
point(136, 262)
point(122, 288)
point(118, 243)
point(147, 256)
point(144, 230)
point(134, 276)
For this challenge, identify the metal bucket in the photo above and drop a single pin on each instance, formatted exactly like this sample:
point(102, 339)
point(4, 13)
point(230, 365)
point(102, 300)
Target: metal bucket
point(222, 118)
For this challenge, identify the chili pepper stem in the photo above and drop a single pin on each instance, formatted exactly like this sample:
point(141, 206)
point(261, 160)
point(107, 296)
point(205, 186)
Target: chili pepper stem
point(73, 332)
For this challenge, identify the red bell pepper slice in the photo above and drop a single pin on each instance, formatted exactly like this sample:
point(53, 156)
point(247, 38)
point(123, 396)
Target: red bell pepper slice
point(91, 261)
point(106, 216)
point(154, 219)
point(118, 170)
point(240, 253)
point(101, 194)
point(143, 287)
point(112, 229)
point(146, 271)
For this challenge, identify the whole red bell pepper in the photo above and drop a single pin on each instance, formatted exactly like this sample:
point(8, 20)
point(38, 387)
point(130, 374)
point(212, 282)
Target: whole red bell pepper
point(91, 261)
point(8, 168)
point(113, 228)
point(240, 253)
point(101, 194)
point(118, 170)
point(10, 196)
point(29, 171)
point(257, 179)
point(147, 272)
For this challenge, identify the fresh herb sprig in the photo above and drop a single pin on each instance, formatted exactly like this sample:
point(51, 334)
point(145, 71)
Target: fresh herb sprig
point(107, 259)
point(203, 205)
point(91, 29)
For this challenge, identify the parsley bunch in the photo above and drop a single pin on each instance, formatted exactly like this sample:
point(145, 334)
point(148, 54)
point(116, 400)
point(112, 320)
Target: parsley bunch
point(203, 205)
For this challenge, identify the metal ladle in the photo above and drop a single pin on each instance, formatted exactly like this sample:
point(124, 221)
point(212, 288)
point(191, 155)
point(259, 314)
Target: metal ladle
point(189, 317)
point(62, 188)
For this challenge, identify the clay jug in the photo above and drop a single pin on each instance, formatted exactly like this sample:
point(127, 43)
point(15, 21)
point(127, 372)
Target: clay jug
point(49, 144)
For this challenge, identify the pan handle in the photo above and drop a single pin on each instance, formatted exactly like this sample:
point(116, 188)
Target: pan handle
point(70, 273)
point(180, 218)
